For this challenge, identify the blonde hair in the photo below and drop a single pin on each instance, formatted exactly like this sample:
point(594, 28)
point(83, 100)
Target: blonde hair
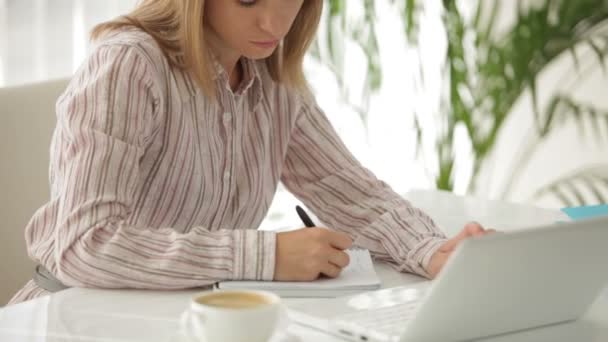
point(177, 27)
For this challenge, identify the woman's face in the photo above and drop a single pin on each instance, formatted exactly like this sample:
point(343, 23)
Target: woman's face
point(250, 28)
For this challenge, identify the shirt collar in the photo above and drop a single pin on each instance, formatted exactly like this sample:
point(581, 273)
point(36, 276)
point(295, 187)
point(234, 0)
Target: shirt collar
point(250, 87)
point(251, 83)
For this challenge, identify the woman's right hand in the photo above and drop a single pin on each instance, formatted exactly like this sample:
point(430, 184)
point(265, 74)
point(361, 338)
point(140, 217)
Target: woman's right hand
point(305, 254)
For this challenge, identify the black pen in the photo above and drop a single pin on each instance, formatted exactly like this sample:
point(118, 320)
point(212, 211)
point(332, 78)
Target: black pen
point(304, 217)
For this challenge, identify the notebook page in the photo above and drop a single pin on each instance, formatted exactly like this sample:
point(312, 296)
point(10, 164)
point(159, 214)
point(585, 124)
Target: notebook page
point(359, 273)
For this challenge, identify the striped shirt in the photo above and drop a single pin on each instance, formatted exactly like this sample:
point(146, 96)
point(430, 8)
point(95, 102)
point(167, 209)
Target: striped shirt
point(154, 186)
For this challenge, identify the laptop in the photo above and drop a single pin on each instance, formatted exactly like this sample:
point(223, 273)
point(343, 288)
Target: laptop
point(492, 285)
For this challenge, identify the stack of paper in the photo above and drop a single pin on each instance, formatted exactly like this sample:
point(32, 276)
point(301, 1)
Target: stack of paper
point(357, 277)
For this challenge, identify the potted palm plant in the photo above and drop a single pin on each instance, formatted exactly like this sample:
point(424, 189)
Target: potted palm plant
point(489, 75)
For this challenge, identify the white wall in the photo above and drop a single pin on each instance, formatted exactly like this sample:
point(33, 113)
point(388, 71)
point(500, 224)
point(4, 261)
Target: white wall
point(44, 39)
point(3, 37)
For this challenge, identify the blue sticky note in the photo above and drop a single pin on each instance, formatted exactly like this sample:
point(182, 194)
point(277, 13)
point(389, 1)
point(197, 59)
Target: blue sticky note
point(587, 211)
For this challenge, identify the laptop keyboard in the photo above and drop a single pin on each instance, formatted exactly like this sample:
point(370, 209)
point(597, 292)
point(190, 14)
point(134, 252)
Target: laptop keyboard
point(381, 323)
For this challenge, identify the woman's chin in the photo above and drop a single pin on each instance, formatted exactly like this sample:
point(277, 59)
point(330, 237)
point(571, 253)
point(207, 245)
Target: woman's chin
point(259, 53)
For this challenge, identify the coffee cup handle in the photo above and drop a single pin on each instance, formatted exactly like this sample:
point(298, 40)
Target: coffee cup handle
point(190, 328)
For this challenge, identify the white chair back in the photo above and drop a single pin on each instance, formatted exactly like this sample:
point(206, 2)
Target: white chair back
point(27, 120)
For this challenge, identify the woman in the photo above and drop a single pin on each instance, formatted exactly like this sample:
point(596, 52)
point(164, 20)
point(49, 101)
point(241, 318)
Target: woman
point(171, 140)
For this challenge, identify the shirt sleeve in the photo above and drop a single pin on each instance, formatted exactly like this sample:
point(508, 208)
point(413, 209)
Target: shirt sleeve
point(321, 172)
point(105, 118)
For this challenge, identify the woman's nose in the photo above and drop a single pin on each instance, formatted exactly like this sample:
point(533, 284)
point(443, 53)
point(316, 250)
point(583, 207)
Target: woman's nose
point(271, 22)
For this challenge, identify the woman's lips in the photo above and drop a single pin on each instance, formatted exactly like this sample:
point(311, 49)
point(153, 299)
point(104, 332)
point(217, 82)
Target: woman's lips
point(266, 44)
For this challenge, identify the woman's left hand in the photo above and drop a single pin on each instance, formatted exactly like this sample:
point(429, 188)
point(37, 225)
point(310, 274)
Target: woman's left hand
point(444, 252)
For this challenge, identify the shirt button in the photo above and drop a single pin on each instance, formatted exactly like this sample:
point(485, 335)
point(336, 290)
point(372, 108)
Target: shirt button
point(227, 117)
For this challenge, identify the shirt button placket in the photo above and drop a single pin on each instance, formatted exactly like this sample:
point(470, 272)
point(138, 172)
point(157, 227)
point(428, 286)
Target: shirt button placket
point(227, 118)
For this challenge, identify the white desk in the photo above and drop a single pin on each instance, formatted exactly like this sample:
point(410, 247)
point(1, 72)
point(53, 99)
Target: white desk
point(150, 316)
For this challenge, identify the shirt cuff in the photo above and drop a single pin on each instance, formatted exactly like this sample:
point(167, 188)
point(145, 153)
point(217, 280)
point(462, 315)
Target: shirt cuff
point(254, 255)
point(419, 257)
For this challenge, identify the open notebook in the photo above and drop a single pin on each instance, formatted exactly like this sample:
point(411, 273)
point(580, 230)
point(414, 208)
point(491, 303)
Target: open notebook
point(358, 276)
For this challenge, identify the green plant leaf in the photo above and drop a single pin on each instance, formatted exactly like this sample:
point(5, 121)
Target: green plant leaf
point(592, 180)
point(505, 67)
point(563, 109)
point(599, 53)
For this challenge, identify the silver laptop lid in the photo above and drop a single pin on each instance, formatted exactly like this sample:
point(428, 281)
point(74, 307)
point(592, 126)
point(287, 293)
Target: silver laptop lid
point(517, 280)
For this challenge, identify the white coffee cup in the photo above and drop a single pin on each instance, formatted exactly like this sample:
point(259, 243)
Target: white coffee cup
point(231, 316)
